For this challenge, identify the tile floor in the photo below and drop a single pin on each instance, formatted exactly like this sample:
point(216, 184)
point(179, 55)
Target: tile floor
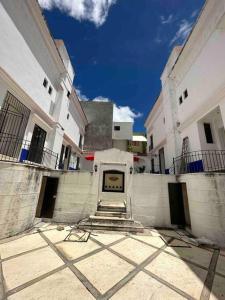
point(154, 265)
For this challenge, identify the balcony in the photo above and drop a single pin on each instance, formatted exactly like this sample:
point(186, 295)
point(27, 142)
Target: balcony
point(14, 149)
point(200, 161)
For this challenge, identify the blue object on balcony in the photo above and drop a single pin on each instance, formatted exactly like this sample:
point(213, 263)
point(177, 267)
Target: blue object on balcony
point(167, 171)
point(195, 166)
point(24, 155)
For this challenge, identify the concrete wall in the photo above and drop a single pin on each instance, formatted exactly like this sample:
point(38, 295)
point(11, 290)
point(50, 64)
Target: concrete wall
point(98, 134)
point(76, 196)
point(150, 199)
point(206, 197)
point(19, 191)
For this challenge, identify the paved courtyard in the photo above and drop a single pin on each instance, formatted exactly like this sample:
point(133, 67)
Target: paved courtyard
point(154, 265)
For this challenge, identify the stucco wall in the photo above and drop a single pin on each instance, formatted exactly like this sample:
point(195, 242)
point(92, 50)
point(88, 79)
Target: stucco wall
point(76, 196)
point(206, 197)
point(150, 199)
point(19, 192)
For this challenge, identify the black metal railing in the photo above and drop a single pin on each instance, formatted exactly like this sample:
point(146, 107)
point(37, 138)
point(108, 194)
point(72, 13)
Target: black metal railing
point(200, 161)
point(18, 150)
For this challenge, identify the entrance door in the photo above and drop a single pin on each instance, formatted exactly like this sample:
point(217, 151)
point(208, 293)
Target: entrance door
point(176, 204)
point(162, 161)
point(37, 145)
point(46, 202)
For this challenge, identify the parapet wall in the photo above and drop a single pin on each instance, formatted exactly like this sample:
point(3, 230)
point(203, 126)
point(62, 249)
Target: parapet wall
point(150, 199)
point(206, 198)
point(19, 191)
point(76, 196)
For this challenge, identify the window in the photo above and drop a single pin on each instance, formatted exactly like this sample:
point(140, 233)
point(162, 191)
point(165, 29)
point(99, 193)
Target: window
point(68, 94)
point(80, 141)
point(135, 143)
point(208, 133)
point(164, 120)
point(180, 100)
point(117, 128)
point(185, 94)
point(68, 115)
point(45, 82)
point(50, 90)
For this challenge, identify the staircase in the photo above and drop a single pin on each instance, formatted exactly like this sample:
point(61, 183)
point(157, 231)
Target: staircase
point(111, 216)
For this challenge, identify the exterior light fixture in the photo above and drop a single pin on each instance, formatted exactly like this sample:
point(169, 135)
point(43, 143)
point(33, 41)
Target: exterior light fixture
point(131, 170)
point(95, 168)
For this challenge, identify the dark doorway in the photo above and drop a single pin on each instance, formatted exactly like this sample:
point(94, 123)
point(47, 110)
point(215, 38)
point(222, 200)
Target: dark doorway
point(46, 202)
point(176, 204)
point(152, 165)
point(161, 161)
point(37, 145)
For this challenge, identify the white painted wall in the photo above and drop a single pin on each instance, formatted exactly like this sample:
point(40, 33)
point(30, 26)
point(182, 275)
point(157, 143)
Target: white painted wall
point(28, 55)
point(114, 159)
point(76, 196)
point(125, 132)
point(150, 199)
point(199, 68)
point(206, 197)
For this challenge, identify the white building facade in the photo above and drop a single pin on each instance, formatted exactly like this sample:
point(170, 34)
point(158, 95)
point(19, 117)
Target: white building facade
point(40, 118)
point(189, 114)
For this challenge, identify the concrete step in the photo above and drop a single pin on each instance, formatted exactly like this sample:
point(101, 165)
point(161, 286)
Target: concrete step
point(137, 227)
point(112, 214)
point(112, 208)
point(110, 220)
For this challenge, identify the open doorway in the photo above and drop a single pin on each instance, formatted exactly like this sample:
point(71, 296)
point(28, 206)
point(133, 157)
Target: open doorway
point(179, 207)
point(47, 197)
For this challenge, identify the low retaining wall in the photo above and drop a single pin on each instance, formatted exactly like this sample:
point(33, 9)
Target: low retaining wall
point(150, 200)
point(206, 197)
point(76, 196)
point(19, 191)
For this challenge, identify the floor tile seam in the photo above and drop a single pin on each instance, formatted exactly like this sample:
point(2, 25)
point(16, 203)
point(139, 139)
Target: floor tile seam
point(35, 280)
point(208, 283)
point(169, 285)
point(109, 245)
point(145, 243)
point(82, 278)
point(131, 274)
point(24, 253)
point(220, 274)
point(23, 234)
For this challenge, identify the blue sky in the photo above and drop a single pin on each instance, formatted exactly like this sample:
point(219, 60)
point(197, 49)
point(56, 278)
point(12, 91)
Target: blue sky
point(119, 47)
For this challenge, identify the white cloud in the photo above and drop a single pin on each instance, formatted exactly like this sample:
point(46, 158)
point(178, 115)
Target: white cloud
point(95, 11)
point(81, 96)
point(124, 114)
point(182, 33)
point(167, 20)
point(120, 113)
